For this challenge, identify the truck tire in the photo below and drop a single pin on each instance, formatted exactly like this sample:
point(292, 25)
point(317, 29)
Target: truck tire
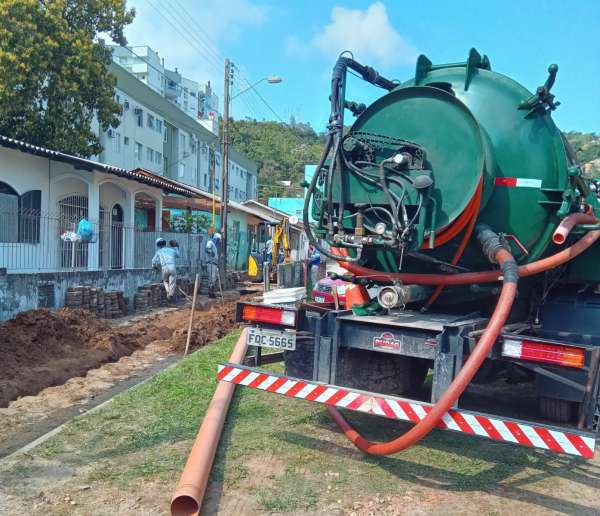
point(380, 372)
point(300, 363)
point(362, 369)
point(561, 411)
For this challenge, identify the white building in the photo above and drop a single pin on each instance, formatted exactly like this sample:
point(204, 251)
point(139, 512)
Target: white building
point(44, 194)
point(197, 100)
point(158, 136)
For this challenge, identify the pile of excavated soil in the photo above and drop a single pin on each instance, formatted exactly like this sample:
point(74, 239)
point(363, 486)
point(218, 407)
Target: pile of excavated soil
point(43, 348)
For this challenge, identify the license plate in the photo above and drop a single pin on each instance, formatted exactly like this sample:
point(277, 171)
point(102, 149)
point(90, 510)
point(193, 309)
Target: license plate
point(271, 339)
point(319, 299)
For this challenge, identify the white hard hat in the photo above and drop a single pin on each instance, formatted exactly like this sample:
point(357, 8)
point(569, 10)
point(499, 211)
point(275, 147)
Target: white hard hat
point(217, 236)
point(160, 240)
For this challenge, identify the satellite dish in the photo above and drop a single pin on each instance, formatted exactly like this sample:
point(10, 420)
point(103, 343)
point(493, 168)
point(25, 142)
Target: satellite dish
point(294, 220)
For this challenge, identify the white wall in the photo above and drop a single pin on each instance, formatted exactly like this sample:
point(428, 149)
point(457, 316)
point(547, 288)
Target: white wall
point(56, 180)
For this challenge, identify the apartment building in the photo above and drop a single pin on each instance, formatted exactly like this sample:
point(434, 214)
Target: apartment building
point(196, 100)
point(155, 134)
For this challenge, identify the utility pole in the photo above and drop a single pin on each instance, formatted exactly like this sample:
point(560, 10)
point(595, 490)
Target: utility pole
point(225, 170)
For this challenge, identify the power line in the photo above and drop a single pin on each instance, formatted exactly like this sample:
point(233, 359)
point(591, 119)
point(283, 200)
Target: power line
point(184, 24)
point(208, 43)
point(215, 66)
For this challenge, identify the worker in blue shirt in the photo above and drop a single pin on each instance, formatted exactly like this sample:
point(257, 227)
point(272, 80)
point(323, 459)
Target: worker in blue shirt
point(212, 262)
point(164, 261)
point(314, 257)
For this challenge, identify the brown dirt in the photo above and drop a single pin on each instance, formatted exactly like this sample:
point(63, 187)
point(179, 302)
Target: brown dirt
point(43, 348)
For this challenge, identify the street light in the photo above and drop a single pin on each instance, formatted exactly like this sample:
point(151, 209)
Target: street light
point(271, 79)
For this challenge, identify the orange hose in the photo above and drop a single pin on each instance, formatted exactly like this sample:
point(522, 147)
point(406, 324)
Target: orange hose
point(568, 223)
point(471, 211)
point(456, 388)
point(463, 244)
point(466, 278)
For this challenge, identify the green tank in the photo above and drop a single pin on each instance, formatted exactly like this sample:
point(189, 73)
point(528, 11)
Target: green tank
point(414, 162)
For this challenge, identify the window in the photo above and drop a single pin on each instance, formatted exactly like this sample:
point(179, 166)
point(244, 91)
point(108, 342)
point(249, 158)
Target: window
point(9, 213)
point(205, 179)
point(150, 121)
point(166, 138)
point(149, 154)
point(116, 139)
point(138, 151)
point(237, 193)
point(29, 220)
point(159, 126)
point(139, 117)
point(181, 169)
point(183, 141)
point(126, 140)
point(165, 164)
point(158, 158)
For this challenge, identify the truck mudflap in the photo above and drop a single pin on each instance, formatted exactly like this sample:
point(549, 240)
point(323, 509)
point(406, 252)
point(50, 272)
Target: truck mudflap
point(523, 433)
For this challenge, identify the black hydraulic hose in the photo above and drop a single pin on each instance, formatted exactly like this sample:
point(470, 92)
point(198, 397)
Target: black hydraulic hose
point(341, 206)
point(388, 193)
point(309, 192)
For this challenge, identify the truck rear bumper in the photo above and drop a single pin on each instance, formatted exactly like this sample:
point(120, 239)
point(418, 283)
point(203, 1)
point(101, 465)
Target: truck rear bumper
point(523, 433)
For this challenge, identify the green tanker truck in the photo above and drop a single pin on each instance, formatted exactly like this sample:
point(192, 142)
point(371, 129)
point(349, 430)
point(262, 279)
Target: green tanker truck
point(455, 197)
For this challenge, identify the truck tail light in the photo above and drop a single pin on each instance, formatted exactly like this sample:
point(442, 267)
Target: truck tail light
point(546, 352)
point(269, 314)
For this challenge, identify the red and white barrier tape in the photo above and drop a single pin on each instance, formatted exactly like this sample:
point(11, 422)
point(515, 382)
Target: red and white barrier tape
point(492, 427)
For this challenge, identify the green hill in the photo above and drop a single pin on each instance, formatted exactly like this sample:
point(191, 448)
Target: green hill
point(587, 149)
point(281, 151)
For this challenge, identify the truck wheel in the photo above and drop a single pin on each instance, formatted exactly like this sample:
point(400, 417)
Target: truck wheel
point(561, 411)
point(380, 372)
point(300, 363)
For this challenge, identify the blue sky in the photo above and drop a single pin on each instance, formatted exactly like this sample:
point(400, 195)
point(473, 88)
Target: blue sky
point(299, 41)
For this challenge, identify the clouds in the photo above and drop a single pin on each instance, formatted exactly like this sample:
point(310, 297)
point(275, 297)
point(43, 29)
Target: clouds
point(368, 33)
point(186, 33)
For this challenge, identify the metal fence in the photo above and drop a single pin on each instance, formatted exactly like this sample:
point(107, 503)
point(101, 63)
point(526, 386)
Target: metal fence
point(34, 242)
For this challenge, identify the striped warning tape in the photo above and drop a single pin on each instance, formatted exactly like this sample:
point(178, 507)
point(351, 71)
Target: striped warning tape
point(492, 427)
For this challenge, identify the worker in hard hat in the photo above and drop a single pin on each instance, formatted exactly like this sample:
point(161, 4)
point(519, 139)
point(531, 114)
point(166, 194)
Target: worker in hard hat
point(164, 260)
point(212, 262)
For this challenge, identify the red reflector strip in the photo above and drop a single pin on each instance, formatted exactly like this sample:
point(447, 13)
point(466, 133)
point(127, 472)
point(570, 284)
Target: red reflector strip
point(548, 353)
point(558, 440)
point(506, 181)
point(518, 182)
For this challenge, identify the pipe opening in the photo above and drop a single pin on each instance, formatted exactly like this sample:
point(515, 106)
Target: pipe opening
point(184, 506)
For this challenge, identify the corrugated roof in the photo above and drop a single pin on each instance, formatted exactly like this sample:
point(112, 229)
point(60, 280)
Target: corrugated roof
point(139, 175)
point(233, 205)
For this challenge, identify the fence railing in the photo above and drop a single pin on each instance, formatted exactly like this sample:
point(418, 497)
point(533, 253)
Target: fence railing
point(30, 241)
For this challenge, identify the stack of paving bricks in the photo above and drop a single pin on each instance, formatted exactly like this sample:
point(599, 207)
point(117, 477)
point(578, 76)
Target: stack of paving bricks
point(150, 296)
point(107, 305)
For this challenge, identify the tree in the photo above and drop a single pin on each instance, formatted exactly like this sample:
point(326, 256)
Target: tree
point(54, 80)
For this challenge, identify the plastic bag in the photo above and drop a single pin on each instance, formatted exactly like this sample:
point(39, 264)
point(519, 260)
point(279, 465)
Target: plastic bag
point(85, 230)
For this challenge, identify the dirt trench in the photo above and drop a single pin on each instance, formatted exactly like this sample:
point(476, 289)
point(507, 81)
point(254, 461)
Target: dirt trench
point(43, 348)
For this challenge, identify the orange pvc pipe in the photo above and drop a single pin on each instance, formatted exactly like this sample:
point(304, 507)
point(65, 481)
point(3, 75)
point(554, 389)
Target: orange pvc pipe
point(189, 494)
point(568, 223)
point(467, 278)
point(456, 388)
